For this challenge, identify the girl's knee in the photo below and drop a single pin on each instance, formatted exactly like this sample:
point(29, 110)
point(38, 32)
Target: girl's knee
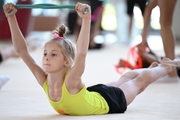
point(165, 21)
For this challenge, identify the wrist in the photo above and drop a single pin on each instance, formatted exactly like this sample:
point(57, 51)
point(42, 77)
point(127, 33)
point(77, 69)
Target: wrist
point(10, 16)
point(86, 20)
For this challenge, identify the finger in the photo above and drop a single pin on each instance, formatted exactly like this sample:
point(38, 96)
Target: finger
point(80, 7)
point(77, 6)
point(5, 7)
point(10, 7)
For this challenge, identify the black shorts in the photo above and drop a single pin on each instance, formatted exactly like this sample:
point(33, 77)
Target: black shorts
point(131, 4)
point(114, 97)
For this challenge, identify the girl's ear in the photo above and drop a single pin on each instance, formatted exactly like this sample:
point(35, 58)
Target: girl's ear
point(66, 63)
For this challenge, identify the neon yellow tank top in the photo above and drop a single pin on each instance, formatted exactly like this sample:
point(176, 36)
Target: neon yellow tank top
point(82, 103)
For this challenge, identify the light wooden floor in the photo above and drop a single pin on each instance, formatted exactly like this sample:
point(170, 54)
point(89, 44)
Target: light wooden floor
point(23, 99)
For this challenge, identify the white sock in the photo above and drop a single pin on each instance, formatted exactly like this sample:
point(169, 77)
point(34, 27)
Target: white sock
point(3, 80)
point(169, 79)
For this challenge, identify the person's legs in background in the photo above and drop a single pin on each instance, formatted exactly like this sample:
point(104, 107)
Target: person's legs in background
point(97, 11)
point(147, 13)
point(74, 23)
point(166, 15)
point(130, 6)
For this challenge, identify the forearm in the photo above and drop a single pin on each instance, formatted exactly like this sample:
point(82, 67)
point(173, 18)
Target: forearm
point(17, 37)
point(84, 36)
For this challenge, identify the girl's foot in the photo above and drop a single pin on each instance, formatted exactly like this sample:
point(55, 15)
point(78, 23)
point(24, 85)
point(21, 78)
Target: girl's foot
point(173, 63)
point(154, 64)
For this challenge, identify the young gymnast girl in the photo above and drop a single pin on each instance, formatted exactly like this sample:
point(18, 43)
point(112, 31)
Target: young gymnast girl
point(63, 66)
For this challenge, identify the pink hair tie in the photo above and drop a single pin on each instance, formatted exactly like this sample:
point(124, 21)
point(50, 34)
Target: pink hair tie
point(57, 36)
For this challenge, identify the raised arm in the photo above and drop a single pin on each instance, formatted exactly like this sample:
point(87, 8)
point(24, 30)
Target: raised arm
point(84, 35)
point(81, 45)
point(20, 44)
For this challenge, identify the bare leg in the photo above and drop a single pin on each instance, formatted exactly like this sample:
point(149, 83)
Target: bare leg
point(146, 17)
point(150, 58)
point(129, 76)
point(135, 81)
point(147, 76)
point(166, 14)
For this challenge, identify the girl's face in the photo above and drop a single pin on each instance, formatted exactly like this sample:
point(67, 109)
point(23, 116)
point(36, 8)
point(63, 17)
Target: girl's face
point(53, 59)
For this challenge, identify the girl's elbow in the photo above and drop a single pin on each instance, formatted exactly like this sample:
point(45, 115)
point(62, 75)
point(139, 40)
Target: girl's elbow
point(21, 50)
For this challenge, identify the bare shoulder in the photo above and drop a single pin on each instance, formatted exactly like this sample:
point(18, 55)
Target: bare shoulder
point(73, 82)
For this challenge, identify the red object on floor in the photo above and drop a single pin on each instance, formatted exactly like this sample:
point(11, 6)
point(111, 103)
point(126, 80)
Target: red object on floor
point(23, 18)
point(132, 55)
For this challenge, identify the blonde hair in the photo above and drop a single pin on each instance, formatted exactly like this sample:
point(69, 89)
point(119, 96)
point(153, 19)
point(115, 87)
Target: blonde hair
point(66, 46)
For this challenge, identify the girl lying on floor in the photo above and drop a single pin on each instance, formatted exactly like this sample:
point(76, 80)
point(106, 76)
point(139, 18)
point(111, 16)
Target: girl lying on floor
point(63, 67)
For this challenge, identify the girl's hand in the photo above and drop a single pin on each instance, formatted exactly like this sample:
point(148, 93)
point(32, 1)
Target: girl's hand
point(80, 10)
point(9, 9)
